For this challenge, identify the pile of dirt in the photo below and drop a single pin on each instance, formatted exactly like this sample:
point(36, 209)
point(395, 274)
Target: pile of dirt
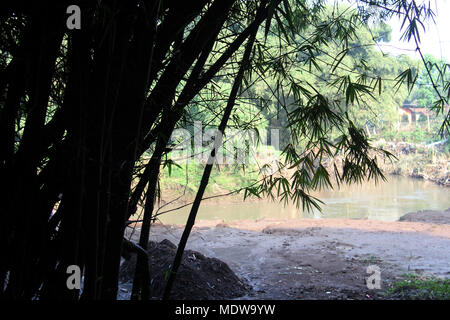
point(198, 278)
point(428, 216)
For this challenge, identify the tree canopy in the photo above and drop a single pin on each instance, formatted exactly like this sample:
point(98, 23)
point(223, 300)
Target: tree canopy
point(86, 115)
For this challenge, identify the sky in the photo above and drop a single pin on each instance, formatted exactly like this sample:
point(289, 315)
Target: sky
point(435, 39)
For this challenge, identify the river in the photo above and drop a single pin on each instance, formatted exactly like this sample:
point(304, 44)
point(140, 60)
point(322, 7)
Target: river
point(386, 201)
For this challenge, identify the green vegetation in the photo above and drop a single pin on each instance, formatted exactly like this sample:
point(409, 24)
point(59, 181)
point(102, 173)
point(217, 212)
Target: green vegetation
point(423, 95)
point(224, 179)
point(416, 134)
point(86, 117)
point(415, 287)
point(356, 79)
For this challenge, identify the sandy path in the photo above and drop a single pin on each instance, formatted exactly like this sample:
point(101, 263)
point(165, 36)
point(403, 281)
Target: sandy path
point(311, 258)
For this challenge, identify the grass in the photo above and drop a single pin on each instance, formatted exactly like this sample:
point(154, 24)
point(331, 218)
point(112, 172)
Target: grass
point(371, 260)
point(415, 287)
point(223, 178)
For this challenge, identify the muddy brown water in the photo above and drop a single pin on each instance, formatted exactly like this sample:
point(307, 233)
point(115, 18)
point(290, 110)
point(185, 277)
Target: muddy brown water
point(386, 201)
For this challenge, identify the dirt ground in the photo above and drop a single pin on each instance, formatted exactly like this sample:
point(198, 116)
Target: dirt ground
point(198, 278)
point(318, 258)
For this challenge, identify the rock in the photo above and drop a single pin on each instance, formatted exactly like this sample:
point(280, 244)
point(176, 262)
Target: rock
point(428, 216)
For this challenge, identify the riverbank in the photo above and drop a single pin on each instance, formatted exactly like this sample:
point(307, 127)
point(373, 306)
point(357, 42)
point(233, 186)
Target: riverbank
point(428, 162)
point(419, 161)
point(318, 258)
point(386, 201)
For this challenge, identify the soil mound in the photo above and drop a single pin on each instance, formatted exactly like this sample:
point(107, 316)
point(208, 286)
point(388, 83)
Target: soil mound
point(428, 216)
point(199, 277)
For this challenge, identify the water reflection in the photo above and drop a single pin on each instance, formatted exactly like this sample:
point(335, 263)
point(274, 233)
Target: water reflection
point(386, 201)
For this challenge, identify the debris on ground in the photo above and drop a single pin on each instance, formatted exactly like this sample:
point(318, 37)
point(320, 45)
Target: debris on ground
point(199, 277)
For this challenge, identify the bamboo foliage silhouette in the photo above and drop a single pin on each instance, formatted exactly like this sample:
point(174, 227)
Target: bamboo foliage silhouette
point(83, 109)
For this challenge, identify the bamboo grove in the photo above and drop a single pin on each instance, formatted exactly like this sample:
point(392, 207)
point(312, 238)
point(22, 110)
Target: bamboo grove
point(79, 109)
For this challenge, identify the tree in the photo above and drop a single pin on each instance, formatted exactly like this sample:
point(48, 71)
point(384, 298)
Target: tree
point(424, 94)
point(79, 108)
